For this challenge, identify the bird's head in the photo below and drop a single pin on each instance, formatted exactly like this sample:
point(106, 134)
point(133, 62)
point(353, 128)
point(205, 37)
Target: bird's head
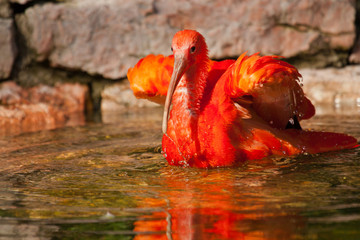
point(189, 48)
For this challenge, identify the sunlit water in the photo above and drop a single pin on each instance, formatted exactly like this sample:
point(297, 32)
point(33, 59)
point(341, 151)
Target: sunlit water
point(109, 181)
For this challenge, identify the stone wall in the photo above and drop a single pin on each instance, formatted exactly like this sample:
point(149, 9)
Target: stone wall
point(8, 49)
point(95, 42)
point(105, 38)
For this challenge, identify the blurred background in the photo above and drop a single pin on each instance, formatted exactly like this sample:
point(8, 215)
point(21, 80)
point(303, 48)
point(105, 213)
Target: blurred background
point(60, 59)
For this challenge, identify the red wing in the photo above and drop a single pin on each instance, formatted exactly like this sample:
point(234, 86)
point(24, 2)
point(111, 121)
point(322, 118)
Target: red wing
point(150, 77)
point(317, 142)
point(271, 86)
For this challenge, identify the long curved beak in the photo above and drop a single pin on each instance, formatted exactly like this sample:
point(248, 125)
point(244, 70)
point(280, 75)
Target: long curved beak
point(179, 68)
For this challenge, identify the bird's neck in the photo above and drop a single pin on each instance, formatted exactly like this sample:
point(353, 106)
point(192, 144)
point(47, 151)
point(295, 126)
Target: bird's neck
point(185, 113)
point(190, 90)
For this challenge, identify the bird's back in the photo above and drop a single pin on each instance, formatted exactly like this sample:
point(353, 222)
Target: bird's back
point(254, 100)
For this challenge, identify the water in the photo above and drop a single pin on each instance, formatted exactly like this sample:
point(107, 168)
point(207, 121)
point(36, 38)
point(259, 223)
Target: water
point(109, 181)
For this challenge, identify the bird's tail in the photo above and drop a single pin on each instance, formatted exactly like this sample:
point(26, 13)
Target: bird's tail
point(316, 142)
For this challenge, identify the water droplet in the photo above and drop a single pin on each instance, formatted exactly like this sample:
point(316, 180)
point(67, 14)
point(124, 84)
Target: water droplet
point(107, 216)
point(291, 120)
point(271, 122)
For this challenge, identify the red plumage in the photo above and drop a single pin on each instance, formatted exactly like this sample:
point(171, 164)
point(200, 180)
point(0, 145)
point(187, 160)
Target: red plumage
point(224, 113)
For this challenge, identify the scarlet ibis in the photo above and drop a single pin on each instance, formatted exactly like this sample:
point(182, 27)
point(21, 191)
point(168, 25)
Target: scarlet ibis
point(226, 112)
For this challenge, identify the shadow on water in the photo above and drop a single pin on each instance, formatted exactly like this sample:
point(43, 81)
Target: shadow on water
point(109, 181)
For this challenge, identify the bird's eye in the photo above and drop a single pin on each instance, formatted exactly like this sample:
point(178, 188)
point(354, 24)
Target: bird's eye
point(172, 49)
point(192, 49)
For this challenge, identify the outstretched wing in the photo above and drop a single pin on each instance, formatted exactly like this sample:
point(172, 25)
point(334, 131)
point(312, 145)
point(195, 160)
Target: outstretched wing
point(150, 77)
point(271, 87)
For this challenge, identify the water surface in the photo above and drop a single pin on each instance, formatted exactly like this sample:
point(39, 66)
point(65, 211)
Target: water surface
point(109, 181)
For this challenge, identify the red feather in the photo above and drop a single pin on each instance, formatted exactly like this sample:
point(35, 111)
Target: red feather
point(224, 113)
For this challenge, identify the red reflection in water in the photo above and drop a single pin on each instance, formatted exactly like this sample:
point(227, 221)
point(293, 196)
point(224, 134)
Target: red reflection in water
point(191, 223)
point(216, 224)
point(215, 208)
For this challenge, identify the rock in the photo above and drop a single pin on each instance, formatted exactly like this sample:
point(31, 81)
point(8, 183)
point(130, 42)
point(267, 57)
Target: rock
point(277, 27)
point(11, 94)
point(20, 1)
point(355, 54)
point(333, 89)
point(95, 38)
point(108, 37)
point(118, 101)
point(37, 74)
point(5, 10)
point(119, 97)
point(8, 48)
point(41, 107)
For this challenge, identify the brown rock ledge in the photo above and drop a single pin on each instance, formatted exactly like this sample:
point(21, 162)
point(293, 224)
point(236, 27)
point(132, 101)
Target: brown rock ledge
point(40, 107)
